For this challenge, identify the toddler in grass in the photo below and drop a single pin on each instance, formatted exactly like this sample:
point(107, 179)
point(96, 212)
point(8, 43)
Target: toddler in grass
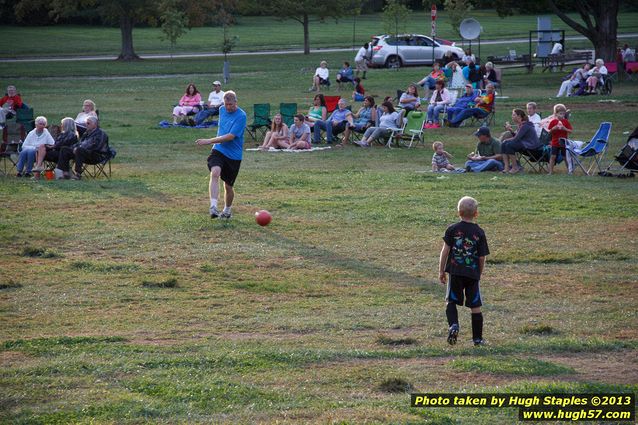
point(440, 159)
point(463, 258)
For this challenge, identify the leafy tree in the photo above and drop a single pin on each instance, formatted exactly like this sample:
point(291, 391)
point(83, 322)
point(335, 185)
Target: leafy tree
point(457, 10)
point(125, 13)
point(173, 20)
point(395, 17)
point(302, 11)
point(599, 19)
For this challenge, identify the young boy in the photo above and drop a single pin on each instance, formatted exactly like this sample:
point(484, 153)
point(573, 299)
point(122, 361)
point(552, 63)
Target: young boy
point(559, 128)
point(440, 158)
point(463, 257)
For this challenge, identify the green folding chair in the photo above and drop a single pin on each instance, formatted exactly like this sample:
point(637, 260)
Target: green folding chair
point(288, 112)
point(261, 120)
point(25, 117)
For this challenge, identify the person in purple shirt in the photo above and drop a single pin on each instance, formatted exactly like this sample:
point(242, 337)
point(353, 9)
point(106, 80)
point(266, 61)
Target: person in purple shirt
point(335, 124)
point(226, 155)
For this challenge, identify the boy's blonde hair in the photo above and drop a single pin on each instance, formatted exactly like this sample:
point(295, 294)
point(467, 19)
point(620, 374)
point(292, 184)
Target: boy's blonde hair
point(436, 145)
point(467, 207)
point(559, 107)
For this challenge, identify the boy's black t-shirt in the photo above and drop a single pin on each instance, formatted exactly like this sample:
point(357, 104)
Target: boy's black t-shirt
point(467, 243)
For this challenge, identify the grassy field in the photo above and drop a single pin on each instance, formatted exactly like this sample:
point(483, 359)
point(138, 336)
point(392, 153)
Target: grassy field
point(258, 33)
point(122, 302)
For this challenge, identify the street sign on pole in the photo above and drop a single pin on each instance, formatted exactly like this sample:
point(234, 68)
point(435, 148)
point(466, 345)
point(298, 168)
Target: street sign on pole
point(433, 14)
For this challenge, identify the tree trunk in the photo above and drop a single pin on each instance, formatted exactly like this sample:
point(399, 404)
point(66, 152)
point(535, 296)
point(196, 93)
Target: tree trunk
point(306, 34)
point(607, 29)
point(126, 29)
point(603, 31)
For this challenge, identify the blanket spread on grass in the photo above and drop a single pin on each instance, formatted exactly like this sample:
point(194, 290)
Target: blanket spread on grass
point(292, 150)
point(207, 124)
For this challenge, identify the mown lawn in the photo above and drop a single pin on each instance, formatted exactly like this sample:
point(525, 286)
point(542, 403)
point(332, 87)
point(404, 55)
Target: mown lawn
point(122, 302)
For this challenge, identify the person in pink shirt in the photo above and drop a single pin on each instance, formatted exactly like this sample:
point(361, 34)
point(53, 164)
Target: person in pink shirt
point(188, 103)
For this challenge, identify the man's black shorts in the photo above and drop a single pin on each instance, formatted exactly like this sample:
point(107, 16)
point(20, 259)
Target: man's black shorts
point(230, 167)
point(457, 285)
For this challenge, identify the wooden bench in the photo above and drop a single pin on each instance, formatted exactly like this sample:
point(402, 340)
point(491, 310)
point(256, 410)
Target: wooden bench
point(561, 59)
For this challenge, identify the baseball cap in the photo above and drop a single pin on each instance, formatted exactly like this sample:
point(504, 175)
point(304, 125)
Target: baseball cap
point(217, 83)
point(483, 131)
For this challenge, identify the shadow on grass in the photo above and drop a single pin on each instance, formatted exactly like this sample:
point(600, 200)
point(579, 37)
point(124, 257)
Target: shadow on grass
point(127, 188)
point(338, 261)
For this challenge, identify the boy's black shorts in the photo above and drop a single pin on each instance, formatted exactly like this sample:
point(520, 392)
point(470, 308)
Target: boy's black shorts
point(230, 167)
point(457, 285)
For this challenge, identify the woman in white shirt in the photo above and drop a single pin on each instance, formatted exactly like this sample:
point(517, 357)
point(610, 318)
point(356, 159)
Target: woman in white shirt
point(88, 110)
point(36, 137)
point(438, 102)
point(598, 72)
point(321, 77)
point(458, 80)
point(387, 121)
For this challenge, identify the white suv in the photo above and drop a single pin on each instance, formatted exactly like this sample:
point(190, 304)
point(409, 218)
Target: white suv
point(409, 49)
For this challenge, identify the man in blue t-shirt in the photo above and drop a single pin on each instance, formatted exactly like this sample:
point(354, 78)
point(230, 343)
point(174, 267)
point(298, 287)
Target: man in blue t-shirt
point(225, 156)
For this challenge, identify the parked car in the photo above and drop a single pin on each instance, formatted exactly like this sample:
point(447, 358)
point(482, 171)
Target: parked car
point(409, 49)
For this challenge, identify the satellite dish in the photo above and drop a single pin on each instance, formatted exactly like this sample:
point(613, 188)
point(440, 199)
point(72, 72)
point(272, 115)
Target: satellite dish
point(470, 29)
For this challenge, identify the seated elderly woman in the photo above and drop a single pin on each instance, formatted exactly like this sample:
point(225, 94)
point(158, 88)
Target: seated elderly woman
point(88, 110)
point(525, 139)
point(596, 74)
point(36, 137)
point(92, 148)
point(9, 103)
point(577, 78)
point(489, 76)
point(67, 137)
point(189, 103)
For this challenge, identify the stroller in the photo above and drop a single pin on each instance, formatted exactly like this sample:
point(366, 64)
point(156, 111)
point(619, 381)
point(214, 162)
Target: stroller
point(627, 158)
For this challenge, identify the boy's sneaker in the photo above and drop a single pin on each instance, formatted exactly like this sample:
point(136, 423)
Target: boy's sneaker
point(226, 215)
point(213, 212)
point(452, 334)
point(479, 342)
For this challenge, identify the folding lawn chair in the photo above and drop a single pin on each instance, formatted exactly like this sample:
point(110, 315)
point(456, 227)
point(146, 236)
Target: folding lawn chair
point(537, 160)
point(12, 136)
point(331, 103)
point(261, 120)
point(288, 112)
point(627, 157)
point(25, 116)
point(398, 130)
point(413, 128)
point(612, 70)
point(95, 170)
point(594, 150)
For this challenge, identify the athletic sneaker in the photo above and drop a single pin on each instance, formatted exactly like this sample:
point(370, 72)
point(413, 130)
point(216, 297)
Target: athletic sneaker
point(226, 215)
point(213, 212)
point(479, 342)
point(452, 334)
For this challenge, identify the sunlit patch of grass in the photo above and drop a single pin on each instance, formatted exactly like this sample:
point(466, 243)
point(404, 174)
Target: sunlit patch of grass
point(511, 366)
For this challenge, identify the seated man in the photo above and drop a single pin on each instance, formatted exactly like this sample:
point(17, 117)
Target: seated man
point(336, 123)
point(482, 107)
point(9, 103)
point(487, 156)
point(215, 100)
point(463, 102)
point(92, 148)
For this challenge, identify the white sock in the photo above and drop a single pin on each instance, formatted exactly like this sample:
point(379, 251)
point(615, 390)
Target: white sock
point(227, 210)
point(213, 203)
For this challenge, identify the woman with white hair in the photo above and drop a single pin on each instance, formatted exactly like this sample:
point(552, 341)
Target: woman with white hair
point(36, 137)
point(321, 76)
point(598, 72)
point(490, 75)
point(88, 110)
point(68, 137)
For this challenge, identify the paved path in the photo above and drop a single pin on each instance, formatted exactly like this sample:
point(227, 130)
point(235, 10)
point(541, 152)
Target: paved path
point(258, 53)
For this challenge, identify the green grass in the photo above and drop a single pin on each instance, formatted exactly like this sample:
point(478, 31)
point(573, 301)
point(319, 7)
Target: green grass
point(258, 33)
point(149, 312)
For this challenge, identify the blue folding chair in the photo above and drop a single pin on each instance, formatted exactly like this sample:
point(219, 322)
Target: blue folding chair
point(594, 150)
